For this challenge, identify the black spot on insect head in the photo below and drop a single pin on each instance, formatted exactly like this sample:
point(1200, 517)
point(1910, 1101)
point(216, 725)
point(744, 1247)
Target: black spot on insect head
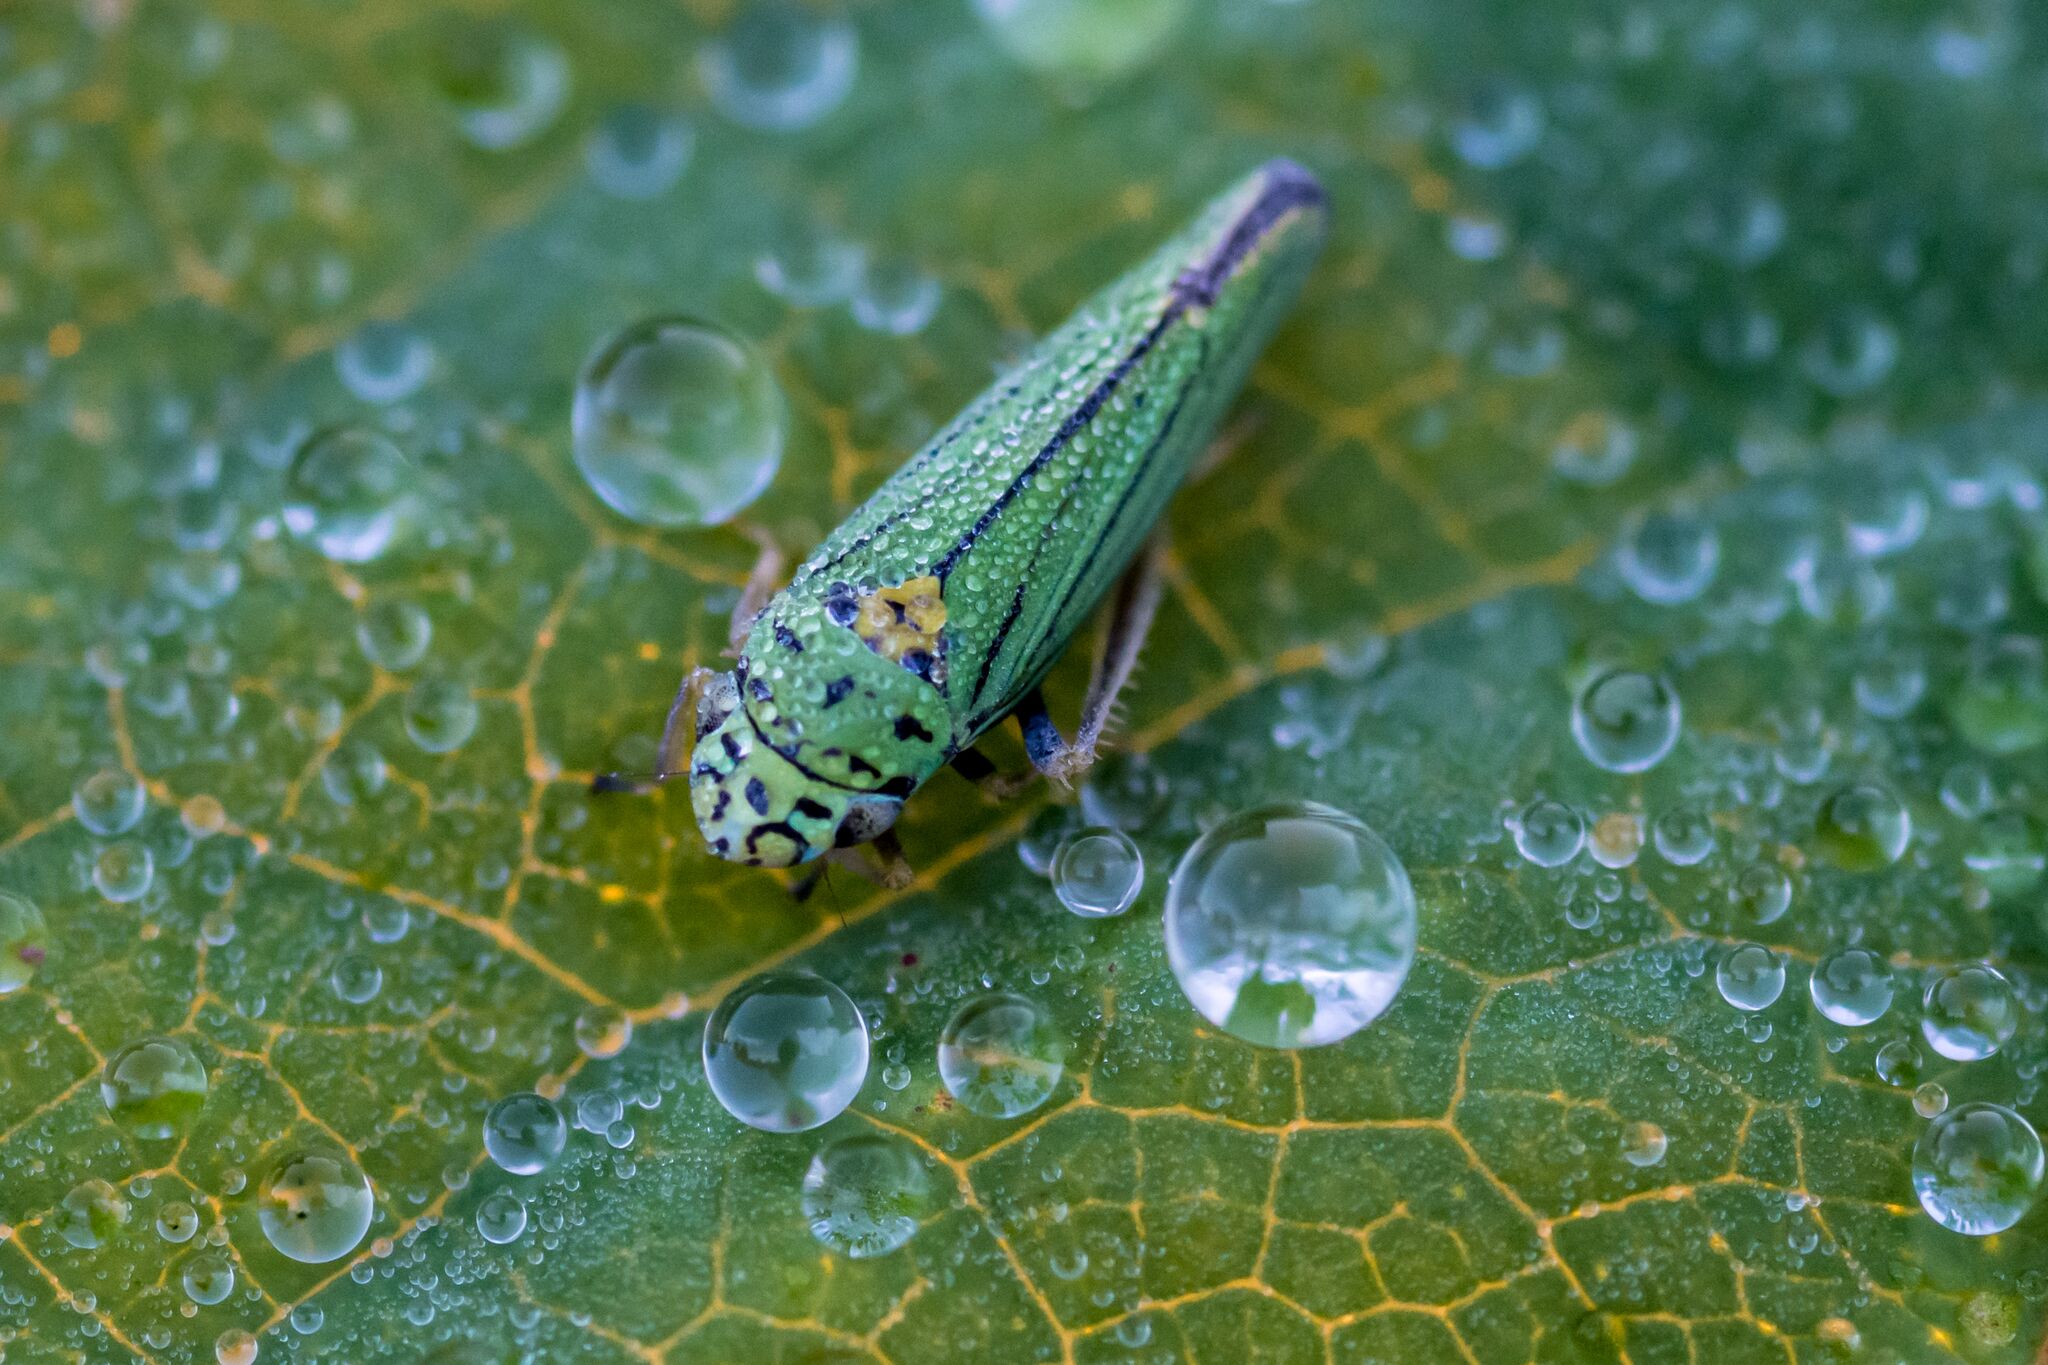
point(814, 810)
point(898, 786)
point(721, 845)
point(783, 828)
point(757, 795)
point(841, 604)
point(837, 690)
point(786, 637)
point(724, 801)
point(731, 744)
point(855, 763)
point(920, 662)
point(759, 689)
point(908, 727)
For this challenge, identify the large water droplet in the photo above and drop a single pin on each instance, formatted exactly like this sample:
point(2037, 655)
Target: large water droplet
point(1625, 721)
point(1899, 1063)
point(1684, 835)
point(638, 152)
point(505, 87)
point(154, 1087)
point(1977, 1168)
point(895, 297)
point(177, 1222)
point(677, 423)
point(1852, 986)
point(1763, 891)
point(2001, 707)
point(524, 1133)
point(109, 802)
point(236, 1346)
point(1667, 558)
point(91, 1214)
point(384, 362)
point(2009, 850)
point(500, 1217)
point(1969, 1012)
point(208, 1277)
point(781, 66)
point(440, 714)
point(1083, 42)
point(346, 494)
point(1001, 1055)
point(786, 1052)
point(1750, 977)
point(315, 1206)
point(864, 1194)
point(1097, 872)
point(1292, 925)
point(1549, 833)
point(1643, 1144)
point(1863, 827)
point(123, 871)
point(355, 978)
point(24, 941)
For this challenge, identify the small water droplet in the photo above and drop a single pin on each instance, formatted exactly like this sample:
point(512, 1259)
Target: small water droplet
point(638, 152)
point(384, 362)
point(355, 978)
point(1750, 977)
point(1929, 1099)
point(1625, 721)
point(123, 871)
point(440, 714)
point(1863, 827)
point(781, 66)
point(864, 1194)
point(786, 1052)
point(1001, 1056)
point(154, 1087)
point(91, 1214)
point(1969, 1012)
point(1899, 1063)
point(208, 1277)
point(1643, 1144)
point(347, 494)
point(1669, 558)
point(1098, 872)
point(524, 1133)
point(500, 1217)
point(315, 1206)
point(1549, 833)
point(109, 802)
point(1852, 987)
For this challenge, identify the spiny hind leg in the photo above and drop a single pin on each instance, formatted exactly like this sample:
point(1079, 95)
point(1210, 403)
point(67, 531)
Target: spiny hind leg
point(762, 581)
point(1132, 609)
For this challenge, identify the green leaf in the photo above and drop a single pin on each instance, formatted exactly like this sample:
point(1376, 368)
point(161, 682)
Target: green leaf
point(1772, 272)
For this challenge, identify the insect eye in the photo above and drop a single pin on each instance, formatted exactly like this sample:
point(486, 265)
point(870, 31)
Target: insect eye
point(717, 701)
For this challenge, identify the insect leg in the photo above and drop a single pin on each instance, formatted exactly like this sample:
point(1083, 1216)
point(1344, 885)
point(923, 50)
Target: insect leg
point(1131, 611)
point(885, 866)
point(978, 768)
point(761, 583)
point(1227, 443)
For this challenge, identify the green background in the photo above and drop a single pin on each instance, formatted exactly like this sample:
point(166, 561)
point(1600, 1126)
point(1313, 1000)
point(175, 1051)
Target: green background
point(1793, 258)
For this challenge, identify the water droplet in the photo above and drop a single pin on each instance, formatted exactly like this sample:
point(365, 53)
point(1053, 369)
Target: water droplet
point(1001, 1055)
point(315, 1206)
point(123, 871)
point(384, 362)
point(1291, 925)
point(109, 802)
point(355, 978)
point(504, 87)
point(1500, 125)
point(1967, 791)
point(638, 152)
point(1852, 986)
point(2009, 850)
point(603, 1031)
point(1626, 721)
point(1889, 687)
point(780, 67)
point(1929, 1099)
point(2002, 705)
point(1977, 1168)
point(1684, 836)
point(154, 1087)
point(307, 1318)
point(91, 1214)
point(864, 1194)
point(1082, 43)
point(202, 816)
point(1750, 977)
point(500, 1217)
point(895, 297)
point(786, 1052)
point(177, 1222)
point(236, 1346)
point(1899, 1064)
point(393, 633)
point(1969, 1012)
point(1668, 558)
point(677, 423)
point(353, 773)
point(1643, 1144)
point(346, 494)
point(1863, 827)
point(524, 1133)
point(1851, 352)
point(1098, 872)
point(1549, 833)
point(208, 1277)
point(24, 941)
point(1595, 448)
point(1764, 892)
point(809, 266)
point(440, 714)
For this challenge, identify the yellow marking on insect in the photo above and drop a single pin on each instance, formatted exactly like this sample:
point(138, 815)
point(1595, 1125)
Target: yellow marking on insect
point(899, 620)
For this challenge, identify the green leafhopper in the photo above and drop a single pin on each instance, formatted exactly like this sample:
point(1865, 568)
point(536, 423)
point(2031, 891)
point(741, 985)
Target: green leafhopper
point(935, 610)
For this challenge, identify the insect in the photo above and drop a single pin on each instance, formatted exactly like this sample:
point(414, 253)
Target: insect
point(935, 610)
